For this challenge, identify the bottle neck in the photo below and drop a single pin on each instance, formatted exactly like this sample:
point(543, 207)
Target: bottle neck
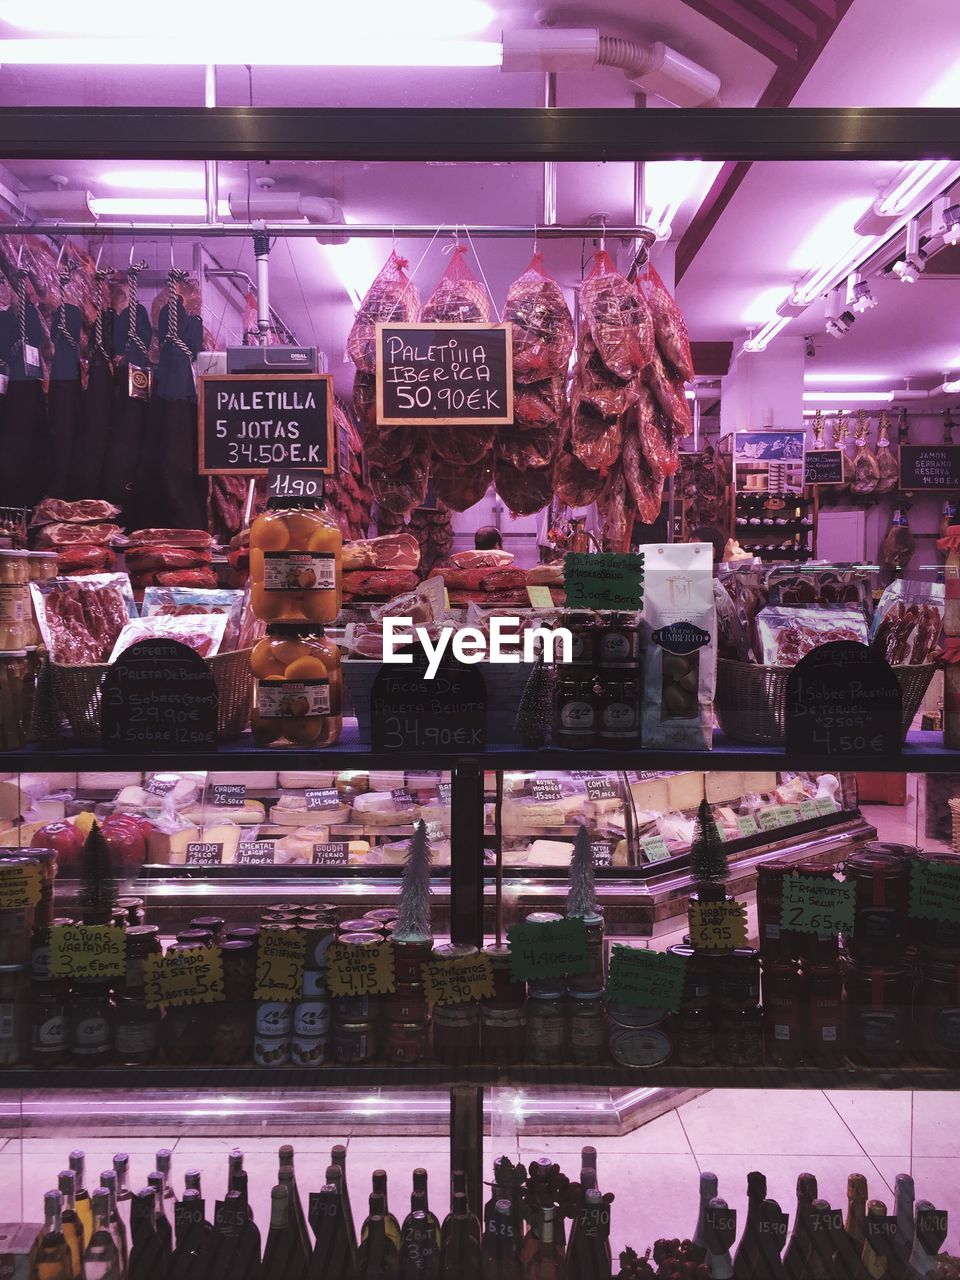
point(278, 1209)
point(51, 1214)
point(77, 1161)
point(418, 1201)
point(67, 1192)
point(101, 1212)
point(547, 1229)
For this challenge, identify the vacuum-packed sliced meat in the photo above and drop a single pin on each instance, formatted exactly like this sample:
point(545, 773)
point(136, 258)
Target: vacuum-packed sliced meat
point(575, 484)
point(146, 559)
point(460, 488)
point(460, 579)
point(542, 325)
point(462, 445)
point(175, 578)
point(91, 559)
point(391, 299)
point(667, 390)
point(539, 404)
point(84, 510)
point(524, 492)
point(173, 537)
point(669, 325)
point(618, 317)
point(482, 559)
point(646, 488)
point(379, 584)
point(526, 447)
point(392, 551)
point(72, 535)
point(404, 486)
point(594, 439)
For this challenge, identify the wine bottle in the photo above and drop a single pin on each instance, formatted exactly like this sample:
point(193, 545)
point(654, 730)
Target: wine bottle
point(928, 1237)
point(501, 1244)
point(164, 1165)
point(121, 1167)
point(193, 1234)
point(588, 1257)
point(548, 1262)
point(772, 1237)
point(108, 1180)
point(284, 1256)
point(460, 1244)
point(234, 1166)
point(52, 1260)
point(82, 1203)
point(419, 1242)
point(149, 1257)
point(335, 1179)
point(338, 1156)
point(235, 1246)
point(101, 1259)
point(191, 1181)
point(799, 1259)
point(164, 1229)
point(708, 1192)
point(546, 1187)
point(250, 1236)
point(856, 1209)
point(747, 1253)
point(420, 1190)
point(721, 1231)
point(70, 1224)
point(588, 1167)
point(333, 1255)
point(390, 1223)
point(377, 1257)
point(904, 1195)
point(287, 1177)
point(874, 1260)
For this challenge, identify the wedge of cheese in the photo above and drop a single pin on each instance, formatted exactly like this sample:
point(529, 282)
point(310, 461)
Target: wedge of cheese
point(249, 814)
point(170, 848)
point(298, 780)
point(184, 792)
point(108, 781)
point(297, 847)
point(379, 809)
point(685, 791)
point(301, 816)
point(257, 781)
point(723, 786)
point(387, 779)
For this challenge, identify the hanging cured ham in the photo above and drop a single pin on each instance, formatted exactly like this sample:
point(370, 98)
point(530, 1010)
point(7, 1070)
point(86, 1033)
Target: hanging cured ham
point(90, 447)
point(866, 468)
point(132, 335)
point(64, 397)
point(23, 420)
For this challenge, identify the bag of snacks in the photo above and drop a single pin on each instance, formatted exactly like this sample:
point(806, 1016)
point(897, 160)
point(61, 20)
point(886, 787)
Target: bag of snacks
point(391, 299)
point(679, 633)
point(459, 297)
point(176, 602)
point(788, 634)
point(908, 623)
point(202, 633)
point(542, 324)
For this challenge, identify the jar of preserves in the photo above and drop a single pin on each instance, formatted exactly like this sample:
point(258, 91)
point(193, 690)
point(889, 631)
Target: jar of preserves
point(91, 1033)
point(271, 1051)
point(824, 1008)
point(776, 943)
point(640, 1046)
point(938, 1014)
point(14, 1014)
point(738, 979)
point(142, 940)
point(136, 1031)
point(877, 1002)
point(503, 1034)
point(47, 860)
point(587, 1028)
point(939, 939)
point(311, 1018)
point(456, 1034)
point(295, 554)
point(243, 933)
point(405, 1042)
point(16, 627)
point(543, 984)
point(274, 1018)
point(135, 911)
point(818, 949)
point(574, 709)
point(213, 925)
point(882, 882)
point(308, 1051)
point(782, 1001)
point(16, 926)
point(694, 1038)
point(40, 948)
point(298, 687)
point(361, 926)
point(618, 642)
point(356, 1008)
point(508, 993)
point(239, 961)
point(618, 711)
point(13, 674)
point(546, 1028)
point(354, 1042)
point(183, 1035)
point(698, 982)
point(409, 956)
point(408, 1003)
point(49, 1032)
point(230, 1032)
point(195, 938)
point(582, 626)
point(739, 1038)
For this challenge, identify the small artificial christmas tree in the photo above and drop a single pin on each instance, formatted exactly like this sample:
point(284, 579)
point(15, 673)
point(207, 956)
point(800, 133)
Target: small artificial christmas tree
point(98, 881)
point(413, 920)
point(708, 862)
point(535, 709)
point(582, 894)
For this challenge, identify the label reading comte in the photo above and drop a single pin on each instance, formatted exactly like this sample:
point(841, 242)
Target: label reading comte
point(299, 571)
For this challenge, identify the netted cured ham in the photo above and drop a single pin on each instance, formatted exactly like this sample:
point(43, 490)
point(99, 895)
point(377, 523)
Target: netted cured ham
point(524, 492)
point(391, 299)
point(542, 324)
point(668, 322)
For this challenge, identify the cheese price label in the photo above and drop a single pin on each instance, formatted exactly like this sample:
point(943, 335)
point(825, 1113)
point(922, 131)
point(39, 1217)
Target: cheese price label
point(546, 789)
point(201, 853)
point(194, 976)
point(747, 825)
point(654, 848)
point(88, 951)
point(653, 979)
point(601, 852)
point(601, 789)
point(935, 891)
point(718, 926)
point(816, 904)
point(808, 810)
point(540, 597)
point(458, 981)
point(769, 819)
point(825, 806)
point(360, 971)
point(787, 815)
point(280, 955)
point(19, 885)
point(322, 798)
point(547, 950)
point(229, 795)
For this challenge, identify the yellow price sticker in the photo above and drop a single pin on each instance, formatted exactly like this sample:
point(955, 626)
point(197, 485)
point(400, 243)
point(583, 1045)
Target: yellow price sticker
point(193, 976)
point(88, 951)
point(280, 954)
point(19, 885)
point(360, 970)
point(540, 597)
point(458, 981)
point(718, 926)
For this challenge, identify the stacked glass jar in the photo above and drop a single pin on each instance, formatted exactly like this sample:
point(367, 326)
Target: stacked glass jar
point(597, 694)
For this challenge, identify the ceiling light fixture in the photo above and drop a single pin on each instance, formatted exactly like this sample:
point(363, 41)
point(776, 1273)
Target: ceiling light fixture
point(845, 379)
point(764, 336)
point(951, 224)
point(262, 48)
point(859, 294)
point(866, 397)
point(154, 207)
point(913, 180)
point(837, 322)
point(950, 386)
point(910, 267)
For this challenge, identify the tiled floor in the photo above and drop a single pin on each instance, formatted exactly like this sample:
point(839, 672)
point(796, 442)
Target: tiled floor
point(653, 1172)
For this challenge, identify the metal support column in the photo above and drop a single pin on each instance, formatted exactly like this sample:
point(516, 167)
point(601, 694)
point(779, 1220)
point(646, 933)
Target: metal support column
point(466, 1140)
point(466, 854)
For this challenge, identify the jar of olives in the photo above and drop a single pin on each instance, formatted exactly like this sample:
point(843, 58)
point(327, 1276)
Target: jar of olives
point(295, 555)
point(297, 691)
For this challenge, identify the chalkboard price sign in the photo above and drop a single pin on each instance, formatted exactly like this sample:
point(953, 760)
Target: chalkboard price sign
point(823, 466)
point(444, 375)
point(159, 695)
point(249, 423)
point(843, 700)
point(934, 467)
point(408, 712)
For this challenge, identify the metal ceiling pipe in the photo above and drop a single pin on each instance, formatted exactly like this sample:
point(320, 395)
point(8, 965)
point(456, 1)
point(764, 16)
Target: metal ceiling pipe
point(357, 230)
point(549, 166)
point(261, 253)
point(291, 206)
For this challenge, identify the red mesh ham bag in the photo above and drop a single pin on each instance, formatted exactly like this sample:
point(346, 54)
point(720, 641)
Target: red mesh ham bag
point(542, 324)
point(459, 297)
point(391, 299)
point(668, 322)
point(618, 318)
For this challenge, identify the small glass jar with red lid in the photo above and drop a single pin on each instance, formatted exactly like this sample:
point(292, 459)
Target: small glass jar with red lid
point(782, 1002)
point(824, 1010)
point(877, 1006)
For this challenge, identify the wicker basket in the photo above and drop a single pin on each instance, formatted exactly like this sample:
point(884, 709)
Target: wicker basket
point(77, 691)
point(751, 700)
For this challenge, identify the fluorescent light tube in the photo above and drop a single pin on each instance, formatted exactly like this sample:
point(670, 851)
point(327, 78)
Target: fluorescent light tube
point(830, 397)
point(256, 50)
point(155, 207)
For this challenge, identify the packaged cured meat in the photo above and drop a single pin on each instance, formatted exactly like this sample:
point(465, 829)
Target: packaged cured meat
point(462, 445)
point(86, 560)
point(540, 404)
point(492, 559)
point(787, 635)
point(503, 579)
point(72, 535)
point(392, 551)
point(176, 602)
point(459, 488)
point(378, 584)
point(461, 579)
point(899, 544)
point(459, 297)
point(618, 317)
point(574, 484)
point(81, 618)
point(391, 299)
point(365, 400)
point(542, 324)
point(400, 487)
point(526, 447)
point(908, 623)
point(177, 578)
point(202, 633)
point(826, 585)
point(593, 382)
point(515, 596)
point(866, 468)
point(667, 390)
point(173, 537)
point(524, 492)
point(887, 463)
point(157, 557)
point(83, 511)
point(668, 322)
point(546, 575)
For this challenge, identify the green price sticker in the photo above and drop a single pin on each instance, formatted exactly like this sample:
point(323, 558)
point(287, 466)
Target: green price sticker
point(787, 815)
point(548, 950)
point(816, 904)
point(825, 805)
point(769, 819)
point(808, 810)
point(654, 848)
point(653, 979)
point(748, 825)
point(935, 891)
point(603, 580)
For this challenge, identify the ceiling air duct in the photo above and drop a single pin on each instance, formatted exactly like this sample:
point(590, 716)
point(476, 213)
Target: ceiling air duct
point(291, 206)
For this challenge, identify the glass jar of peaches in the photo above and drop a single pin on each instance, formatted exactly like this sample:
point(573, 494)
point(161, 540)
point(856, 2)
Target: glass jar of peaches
point(298, 687)
point(295, 563)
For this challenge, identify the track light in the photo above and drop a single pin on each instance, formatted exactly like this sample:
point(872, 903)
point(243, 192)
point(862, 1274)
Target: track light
point(837, 321)
point(859, 294)
point(911, 266)
point(951, 224)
